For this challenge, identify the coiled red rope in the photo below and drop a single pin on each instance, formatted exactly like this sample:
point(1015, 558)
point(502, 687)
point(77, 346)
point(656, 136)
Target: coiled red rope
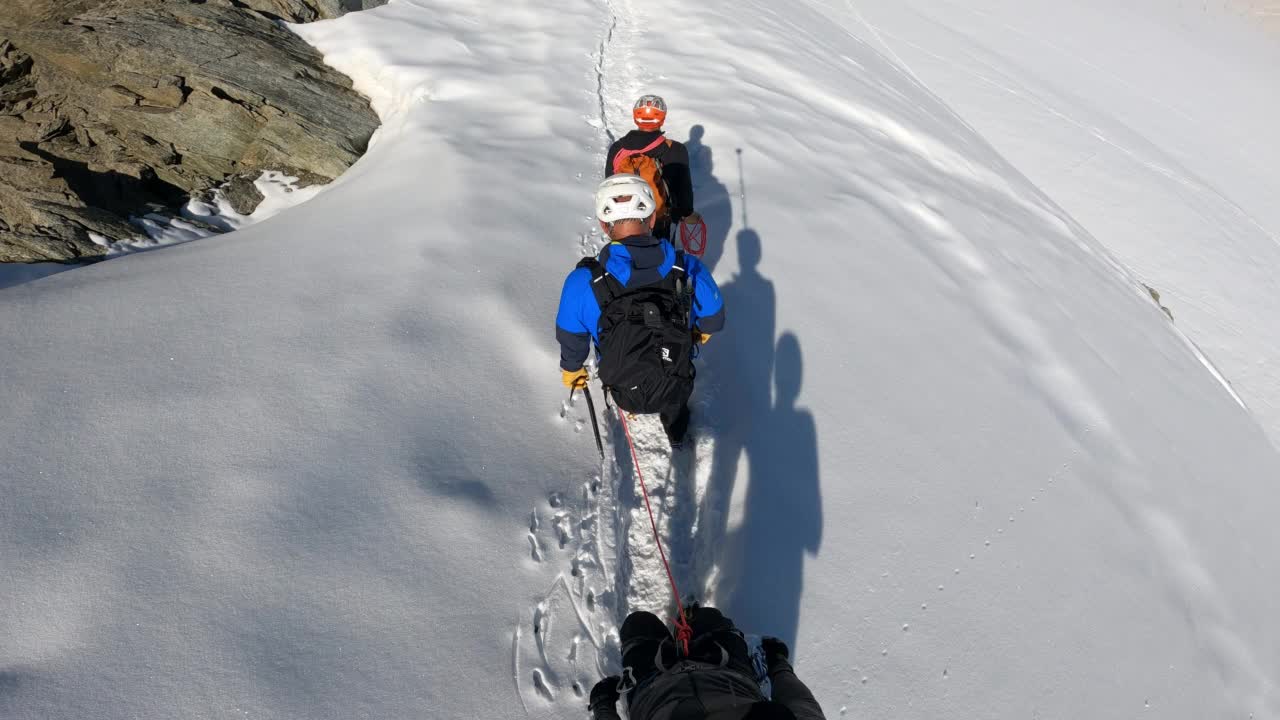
point(684, 633)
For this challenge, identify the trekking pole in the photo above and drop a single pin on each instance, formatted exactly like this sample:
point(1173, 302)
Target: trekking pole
point(595, 424)
point(742, 189)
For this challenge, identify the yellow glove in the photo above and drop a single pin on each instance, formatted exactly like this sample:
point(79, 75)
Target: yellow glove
point(704, 337)
point(692, 218)
point(574, 378)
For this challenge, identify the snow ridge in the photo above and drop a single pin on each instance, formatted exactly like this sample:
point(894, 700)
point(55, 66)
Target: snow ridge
point(614, 564)
point(306, 484)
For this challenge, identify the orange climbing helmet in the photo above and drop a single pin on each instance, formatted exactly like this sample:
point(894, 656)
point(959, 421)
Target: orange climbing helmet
point(649, 112)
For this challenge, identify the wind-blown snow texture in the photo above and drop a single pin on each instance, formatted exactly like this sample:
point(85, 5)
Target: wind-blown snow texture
point(1153, 124)
point(322, 467)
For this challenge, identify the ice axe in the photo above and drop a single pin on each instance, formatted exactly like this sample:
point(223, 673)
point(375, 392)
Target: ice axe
point(591, 407)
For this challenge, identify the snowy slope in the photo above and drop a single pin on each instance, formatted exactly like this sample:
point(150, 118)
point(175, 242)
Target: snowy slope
point(1152, 123)
point(318, 468)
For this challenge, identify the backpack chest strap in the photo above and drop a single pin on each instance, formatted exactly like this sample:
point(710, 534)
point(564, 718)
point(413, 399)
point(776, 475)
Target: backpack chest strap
point(625, 153)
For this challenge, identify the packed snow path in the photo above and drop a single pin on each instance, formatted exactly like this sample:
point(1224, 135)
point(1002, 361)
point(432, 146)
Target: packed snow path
point(318, 468)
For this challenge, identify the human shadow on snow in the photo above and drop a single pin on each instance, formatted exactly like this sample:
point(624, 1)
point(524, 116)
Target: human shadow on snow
point(755, 571)
point(738, 364)
point(711, 197)
point(763, 573)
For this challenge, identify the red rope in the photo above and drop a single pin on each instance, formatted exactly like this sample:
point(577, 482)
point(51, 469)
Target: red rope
point(684, 633)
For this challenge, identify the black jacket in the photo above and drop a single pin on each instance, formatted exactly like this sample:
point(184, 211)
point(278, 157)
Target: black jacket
point(674, 158)
point(692, 690)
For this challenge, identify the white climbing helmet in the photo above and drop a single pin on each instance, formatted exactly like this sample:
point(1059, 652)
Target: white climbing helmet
point(624, 197)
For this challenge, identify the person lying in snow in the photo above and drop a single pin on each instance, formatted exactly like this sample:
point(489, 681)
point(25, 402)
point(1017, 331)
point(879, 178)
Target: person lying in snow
point(716, 681)
point(644, 304)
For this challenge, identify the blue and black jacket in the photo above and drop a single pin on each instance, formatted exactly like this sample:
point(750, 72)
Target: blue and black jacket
point(634, 262)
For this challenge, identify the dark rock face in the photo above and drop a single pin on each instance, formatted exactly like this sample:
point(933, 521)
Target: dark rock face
point(308, 10)
point(112, 108)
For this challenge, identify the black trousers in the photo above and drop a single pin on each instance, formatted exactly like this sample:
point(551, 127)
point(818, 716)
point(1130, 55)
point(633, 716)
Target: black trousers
point(646, 641)
point(675, 413)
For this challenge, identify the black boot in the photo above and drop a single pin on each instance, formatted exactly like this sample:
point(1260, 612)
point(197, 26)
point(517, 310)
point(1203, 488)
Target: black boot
point(644, 636)
point(677, 426)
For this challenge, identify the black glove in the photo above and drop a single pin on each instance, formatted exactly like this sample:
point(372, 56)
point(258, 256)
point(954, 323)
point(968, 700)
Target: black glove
point(605, 694)
point(775, 651)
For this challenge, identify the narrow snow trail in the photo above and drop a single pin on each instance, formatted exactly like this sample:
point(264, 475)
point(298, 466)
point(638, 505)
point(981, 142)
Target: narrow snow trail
point(613, 562)
point(677, 483)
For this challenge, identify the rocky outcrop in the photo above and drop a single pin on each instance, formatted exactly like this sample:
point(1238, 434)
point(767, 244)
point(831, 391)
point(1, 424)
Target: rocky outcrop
point(308, 10)
point(120, 107)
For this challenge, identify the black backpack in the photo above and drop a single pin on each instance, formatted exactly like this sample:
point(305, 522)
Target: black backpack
point(646, 342)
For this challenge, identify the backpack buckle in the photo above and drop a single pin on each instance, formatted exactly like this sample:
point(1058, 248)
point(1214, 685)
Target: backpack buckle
point(652, 316)
point(627, 682)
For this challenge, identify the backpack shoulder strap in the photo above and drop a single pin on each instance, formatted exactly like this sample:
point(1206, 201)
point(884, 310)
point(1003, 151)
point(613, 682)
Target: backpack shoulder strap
point(656, 142)
point(681, 266)
point(600, 286)
point(625, 153)
point(684, 290)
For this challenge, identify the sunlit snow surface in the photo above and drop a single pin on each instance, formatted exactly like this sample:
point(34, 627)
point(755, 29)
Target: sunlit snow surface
point(1153, 123)
point(323, 467)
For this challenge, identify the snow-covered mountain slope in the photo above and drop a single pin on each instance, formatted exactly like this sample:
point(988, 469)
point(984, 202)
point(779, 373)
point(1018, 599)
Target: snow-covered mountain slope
point(1152, 123)
point(322, 467)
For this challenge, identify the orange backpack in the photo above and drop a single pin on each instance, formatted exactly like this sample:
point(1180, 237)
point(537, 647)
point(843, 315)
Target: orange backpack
point(639, 163)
